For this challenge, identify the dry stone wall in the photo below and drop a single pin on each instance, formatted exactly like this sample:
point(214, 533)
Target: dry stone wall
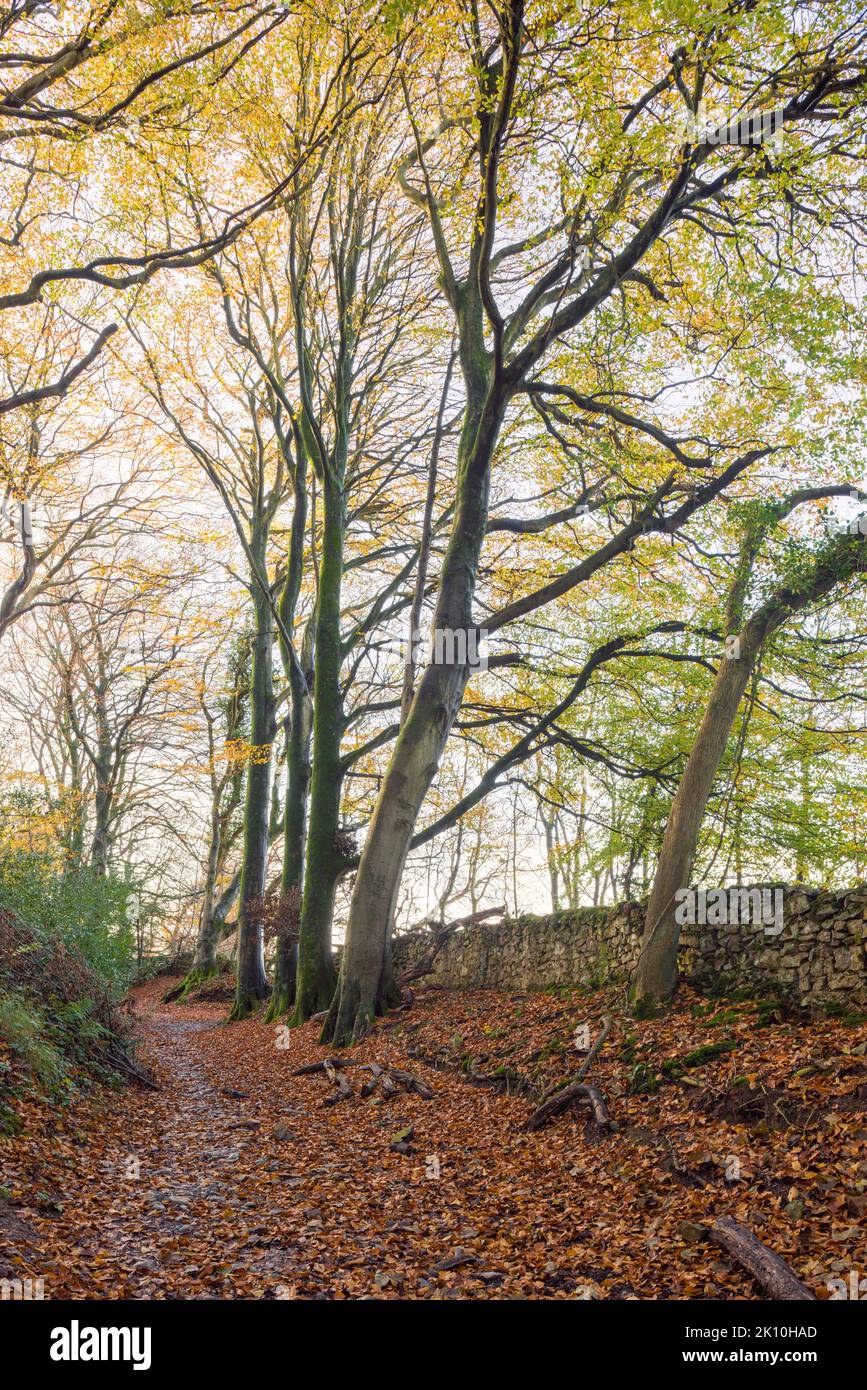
point(819, 957)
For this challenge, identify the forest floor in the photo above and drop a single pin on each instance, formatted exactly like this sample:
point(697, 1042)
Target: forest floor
point(235, 1180)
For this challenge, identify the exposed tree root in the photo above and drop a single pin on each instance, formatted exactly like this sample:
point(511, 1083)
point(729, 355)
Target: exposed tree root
point(279, 1004)
point(339, 1079)
point(191, 980)
point(245, 1006)
point(570, 1095)
point(388, 1081)
point(576, 1092)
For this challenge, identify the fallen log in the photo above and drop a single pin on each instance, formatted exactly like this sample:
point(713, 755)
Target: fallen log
point(573, 1094)
point(767, 1268)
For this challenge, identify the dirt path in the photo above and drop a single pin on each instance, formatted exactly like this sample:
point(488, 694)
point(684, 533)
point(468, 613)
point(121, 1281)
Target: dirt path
point(234, 1181)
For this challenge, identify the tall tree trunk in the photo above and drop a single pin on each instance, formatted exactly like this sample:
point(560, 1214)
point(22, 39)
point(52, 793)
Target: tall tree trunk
point(324, 863)
point(298, 734)
point(653, 981)
point(366, 983)
point(252, 984)
point(102, 799)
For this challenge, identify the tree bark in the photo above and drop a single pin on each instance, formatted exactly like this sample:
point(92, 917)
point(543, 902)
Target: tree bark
point(298, 734)
point(315, 984)
point(764, 1265)
point(252, 984)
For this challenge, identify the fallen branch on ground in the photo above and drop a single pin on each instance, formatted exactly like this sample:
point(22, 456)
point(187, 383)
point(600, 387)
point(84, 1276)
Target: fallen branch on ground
point(570, 1095)
point(443, 931)
point(120, 1060)
point(767, 1268)
point(338, 1079)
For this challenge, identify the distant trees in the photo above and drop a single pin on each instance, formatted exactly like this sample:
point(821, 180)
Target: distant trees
point(226, 727)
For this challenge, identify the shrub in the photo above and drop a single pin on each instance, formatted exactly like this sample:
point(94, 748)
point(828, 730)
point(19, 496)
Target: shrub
point(85, 912)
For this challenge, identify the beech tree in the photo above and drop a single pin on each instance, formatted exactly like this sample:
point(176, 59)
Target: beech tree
point(627, 199)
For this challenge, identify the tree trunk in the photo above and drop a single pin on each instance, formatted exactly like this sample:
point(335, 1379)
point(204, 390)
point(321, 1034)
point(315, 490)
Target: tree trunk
point(551, 856)
point(655, 974)
point(315, 984)
point(294, 837)
point(252, 984)
point(298, 734)
point(99, 852)
point(366, 984)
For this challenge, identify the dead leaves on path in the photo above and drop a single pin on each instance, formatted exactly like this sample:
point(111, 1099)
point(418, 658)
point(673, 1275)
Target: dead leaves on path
point(236, 1181)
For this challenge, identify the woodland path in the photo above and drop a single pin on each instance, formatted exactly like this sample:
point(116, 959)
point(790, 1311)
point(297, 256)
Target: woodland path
point(234, 1180)
point(197, 1191)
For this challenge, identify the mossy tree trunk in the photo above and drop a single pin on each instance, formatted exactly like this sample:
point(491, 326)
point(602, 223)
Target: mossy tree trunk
point(297, 735)
point(252, 984)
point(316, 978)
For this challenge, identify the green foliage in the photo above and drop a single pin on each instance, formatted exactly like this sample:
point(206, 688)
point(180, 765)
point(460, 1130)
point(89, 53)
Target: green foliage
point(87, 913)
point(23, 1030)
point(48, 1049)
